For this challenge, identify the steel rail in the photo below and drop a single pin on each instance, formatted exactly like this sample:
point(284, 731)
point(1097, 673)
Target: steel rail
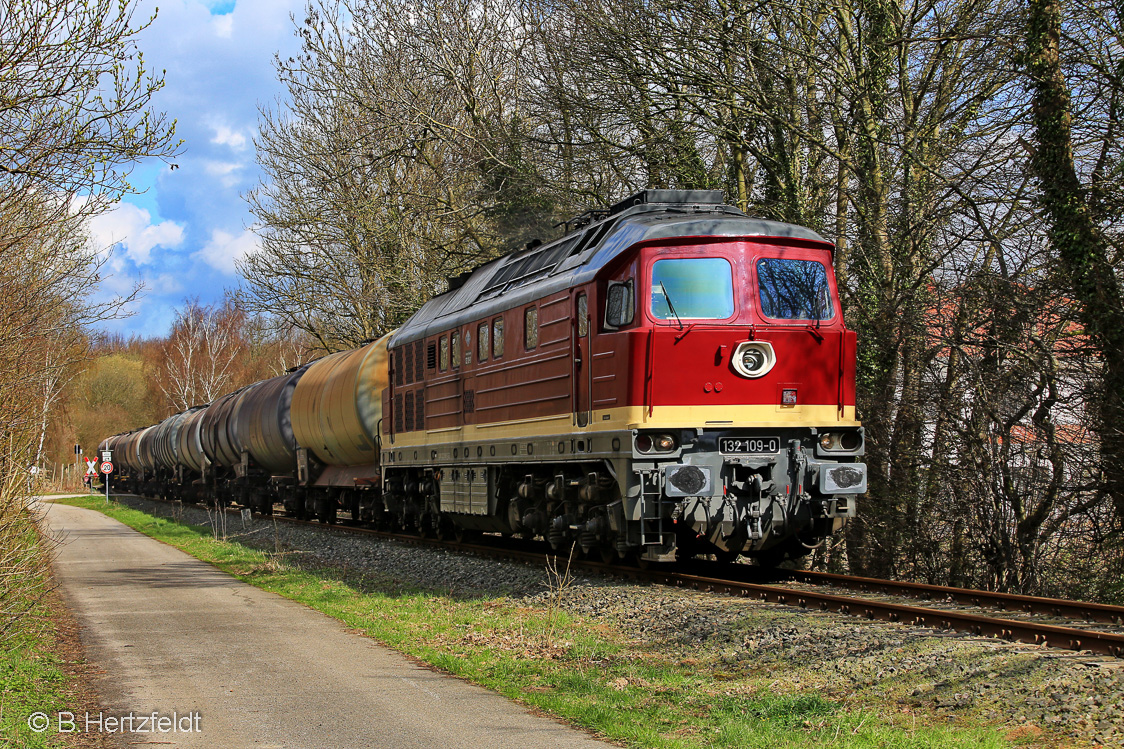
point(1067, 638)
point(1091, 612)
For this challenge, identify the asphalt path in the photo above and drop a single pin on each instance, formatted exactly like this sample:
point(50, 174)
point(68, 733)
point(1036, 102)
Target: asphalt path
point(228, 665)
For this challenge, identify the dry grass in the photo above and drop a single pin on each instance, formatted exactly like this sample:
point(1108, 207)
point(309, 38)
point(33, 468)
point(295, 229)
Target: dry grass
point(24, 555)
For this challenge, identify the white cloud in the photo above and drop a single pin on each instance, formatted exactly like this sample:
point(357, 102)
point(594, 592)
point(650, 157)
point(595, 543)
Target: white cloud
point(223, 25)
point(226, 136)
point(132, 228)
point(227, 172)
point(164, 284)
point(225, 248)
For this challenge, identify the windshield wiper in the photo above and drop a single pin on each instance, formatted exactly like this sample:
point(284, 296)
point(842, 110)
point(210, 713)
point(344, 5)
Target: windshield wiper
point(670, 306)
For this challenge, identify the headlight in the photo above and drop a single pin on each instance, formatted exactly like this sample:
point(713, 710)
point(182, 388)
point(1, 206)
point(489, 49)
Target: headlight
point(845, 441)
point(658, 443)
point(754, 358)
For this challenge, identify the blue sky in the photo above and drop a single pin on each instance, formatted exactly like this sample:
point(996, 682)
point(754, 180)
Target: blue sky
point(182, 236)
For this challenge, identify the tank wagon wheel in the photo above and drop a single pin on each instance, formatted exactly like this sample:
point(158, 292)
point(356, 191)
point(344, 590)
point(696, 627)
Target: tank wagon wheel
point(465, 536)
point(445, 530)
point(354, 507)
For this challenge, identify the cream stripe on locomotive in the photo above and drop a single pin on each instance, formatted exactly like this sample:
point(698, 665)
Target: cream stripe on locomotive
point(623, 419)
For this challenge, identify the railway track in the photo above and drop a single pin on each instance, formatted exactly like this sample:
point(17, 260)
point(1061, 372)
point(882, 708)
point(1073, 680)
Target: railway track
point(959, 609)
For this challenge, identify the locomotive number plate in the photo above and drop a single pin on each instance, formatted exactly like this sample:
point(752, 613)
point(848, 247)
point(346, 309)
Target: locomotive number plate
point(749, 445)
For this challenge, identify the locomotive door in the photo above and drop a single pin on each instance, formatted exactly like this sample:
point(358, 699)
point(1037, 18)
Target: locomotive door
point(583, 362)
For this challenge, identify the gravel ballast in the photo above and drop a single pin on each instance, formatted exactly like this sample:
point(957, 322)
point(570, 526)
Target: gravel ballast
point(1036, 693)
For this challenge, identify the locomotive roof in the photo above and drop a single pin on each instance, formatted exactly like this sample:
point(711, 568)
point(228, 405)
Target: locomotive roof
point(523, 276)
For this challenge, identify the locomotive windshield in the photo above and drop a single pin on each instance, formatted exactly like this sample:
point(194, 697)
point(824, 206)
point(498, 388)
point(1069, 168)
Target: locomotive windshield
point(794, 289)
point(692, 289)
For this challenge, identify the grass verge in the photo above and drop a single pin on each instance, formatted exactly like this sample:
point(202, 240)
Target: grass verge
point(31, 677)
point(591, 676)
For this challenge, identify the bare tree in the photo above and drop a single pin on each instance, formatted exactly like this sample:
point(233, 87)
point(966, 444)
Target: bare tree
point(389, 165)
point(200, 357)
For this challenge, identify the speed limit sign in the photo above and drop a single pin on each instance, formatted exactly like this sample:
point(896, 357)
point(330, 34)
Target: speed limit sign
point(107, 468)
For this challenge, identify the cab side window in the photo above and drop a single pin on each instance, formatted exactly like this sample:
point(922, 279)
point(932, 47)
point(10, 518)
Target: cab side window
point(456, 345)
point(444, 356)
point(619, 304)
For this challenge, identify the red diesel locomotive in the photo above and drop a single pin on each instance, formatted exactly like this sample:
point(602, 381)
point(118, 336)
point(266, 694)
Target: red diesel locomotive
point(671, 376)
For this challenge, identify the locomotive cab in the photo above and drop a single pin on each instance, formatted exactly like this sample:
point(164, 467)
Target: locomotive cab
point(740, 385)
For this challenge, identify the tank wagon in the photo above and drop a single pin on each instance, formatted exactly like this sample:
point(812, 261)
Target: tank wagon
point(672, 376)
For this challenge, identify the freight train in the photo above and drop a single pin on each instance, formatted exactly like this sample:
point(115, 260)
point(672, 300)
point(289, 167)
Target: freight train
point(669, 378)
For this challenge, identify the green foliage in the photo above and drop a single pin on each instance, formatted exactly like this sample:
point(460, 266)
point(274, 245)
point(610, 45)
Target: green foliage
point(30, 679)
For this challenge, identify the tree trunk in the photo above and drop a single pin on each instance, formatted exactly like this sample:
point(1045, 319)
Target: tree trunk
point(1081, 247)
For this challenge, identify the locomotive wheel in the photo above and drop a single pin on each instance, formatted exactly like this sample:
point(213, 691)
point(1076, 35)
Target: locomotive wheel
point(635, 558)
point(608, 553)
point(727, 557)
point(781, 553)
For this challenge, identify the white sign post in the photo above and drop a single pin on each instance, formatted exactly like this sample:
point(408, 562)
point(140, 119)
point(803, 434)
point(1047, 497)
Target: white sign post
point(106, 469)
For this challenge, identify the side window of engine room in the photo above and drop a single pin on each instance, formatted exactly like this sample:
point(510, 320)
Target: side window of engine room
point(530, 328)
point(497, 338)
point(482, 342)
